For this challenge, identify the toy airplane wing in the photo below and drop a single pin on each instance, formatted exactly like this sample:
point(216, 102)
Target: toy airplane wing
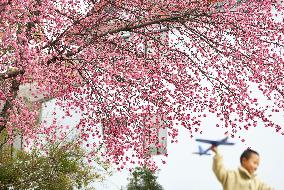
point(216, 143)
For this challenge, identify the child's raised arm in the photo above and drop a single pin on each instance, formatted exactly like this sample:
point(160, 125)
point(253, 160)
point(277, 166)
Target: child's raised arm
point(218, 167)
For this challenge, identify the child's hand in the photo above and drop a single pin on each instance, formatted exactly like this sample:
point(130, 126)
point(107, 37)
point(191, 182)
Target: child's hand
point(214, 149)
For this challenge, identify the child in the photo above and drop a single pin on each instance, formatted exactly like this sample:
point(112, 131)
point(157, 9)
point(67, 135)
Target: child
point(242, 179)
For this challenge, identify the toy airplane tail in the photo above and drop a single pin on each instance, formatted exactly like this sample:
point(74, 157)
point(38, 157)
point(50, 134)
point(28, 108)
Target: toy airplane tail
point(201, 151)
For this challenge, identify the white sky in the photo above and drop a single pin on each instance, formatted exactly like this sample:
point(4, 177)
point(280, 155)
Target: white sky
point(184, 170)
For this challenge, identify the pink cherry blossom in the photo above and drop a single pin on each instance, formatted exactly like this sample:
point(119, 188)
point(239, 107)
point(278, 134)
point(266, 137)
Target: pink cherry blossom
point(121, 63)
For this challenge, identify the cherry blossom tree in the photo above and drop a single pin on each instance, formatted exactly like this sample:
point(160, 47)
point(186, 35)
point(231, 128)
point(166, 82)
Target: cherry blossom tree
point(123, 62)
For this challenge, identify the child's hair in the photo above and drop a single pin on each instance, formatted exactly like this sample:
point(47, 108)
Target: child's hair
point(246, 154)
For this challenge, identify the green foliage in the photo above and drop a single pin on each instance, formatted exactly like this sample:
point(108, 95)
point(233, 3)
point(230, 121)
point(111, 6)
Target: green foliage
point(143, 179)
point(61, 168)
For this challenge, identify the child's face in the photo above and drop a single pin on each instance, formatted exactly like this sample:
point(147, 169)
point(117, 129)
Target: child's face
point(251, 163)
